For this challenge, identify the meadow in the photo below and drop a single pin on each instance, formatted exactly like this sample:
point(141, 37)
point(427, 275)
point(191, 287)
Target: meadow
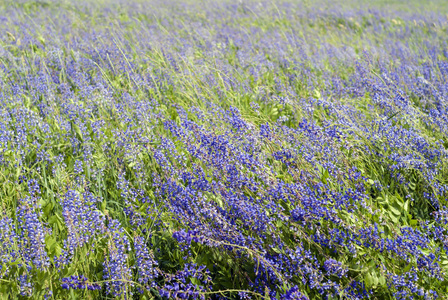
point(211, 149)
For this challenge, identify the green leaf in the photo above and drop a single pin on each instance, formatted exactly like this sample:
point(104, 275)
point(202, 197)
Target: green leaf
point(406, 206)
point(393, 217)
point(368, 279)
point(57, 250)
point(77, 131)
point(276, 250)
point(407, 268)
point(394, 211)
point(47, 209)
point(382, 280)
point(55, 219)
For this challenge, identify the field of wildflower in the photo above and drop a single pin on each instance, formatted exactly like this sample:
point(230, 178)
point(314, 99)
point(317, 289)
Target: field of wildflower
point(212, 149)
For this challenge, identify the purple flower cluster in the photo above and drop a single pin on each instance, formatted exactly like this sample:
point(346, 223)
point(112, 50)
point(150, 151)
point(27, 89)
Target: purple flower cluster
point(8, 254)
point(117, 273)
point(32, 236)
point(187, 283)
point(78, 283)
point(83, 221)
point(146, 265)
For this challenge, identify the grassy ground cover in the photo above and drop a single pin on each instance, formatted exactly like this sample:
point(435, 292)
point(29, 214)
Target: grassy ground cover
point(223, 150)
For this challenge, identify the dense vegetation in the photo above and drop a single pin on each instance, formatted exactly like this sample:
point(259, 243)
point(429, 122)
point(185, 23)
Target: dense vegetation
point(223, 150)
